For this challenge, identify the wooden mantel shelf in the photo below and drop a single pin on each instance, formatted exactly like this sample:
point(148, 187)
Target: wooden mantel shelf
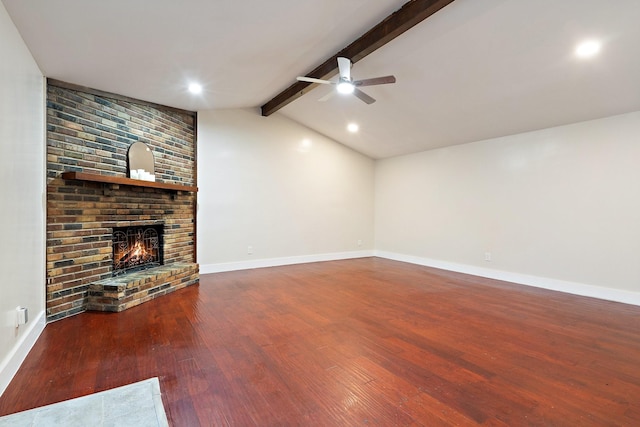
point(106, 179)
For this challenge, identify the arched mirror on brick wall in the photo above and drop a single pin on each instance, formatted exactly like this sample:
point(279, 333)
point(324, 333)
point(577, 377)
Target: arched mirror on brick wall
point(140, 159)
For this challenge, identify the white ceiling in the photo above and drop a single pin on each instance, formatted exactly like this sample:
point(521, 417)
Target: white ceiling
point(475, 70)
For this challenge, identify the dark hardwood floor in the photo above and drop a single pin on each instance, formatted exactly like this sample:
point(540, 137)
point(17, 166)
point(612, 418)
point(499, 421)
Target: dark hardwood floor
point(352, 343)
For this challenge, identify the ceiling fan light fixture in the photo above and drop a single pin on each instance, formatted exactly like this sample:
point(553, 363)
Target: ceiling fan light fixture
point(345, 87)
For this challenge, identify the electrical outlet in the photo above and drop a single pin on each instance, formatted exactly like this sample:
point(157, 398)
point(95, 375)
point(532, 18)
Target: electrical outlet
point(359, 242)
point(487, 256)
point(249, 250)
point(22, 316)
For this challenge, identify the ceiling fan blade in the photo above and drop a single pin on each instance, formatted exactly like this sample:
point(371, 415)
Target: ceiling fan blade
point(375, 81)
point(344, 65)
point(363, 96)
point(312, 80)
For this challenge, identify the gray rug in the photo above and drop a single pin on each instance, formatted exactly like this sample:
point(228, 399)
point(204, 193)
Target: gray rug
point(138, 404)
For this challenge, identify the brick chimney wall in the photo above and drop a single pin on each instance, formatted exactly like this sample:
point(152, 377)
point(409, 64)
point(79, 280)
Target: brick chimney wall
point(91, 131)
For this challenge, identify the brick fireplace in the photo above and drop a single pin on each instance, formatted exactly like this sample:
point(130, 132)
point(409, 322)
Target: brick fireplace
point(90, 199)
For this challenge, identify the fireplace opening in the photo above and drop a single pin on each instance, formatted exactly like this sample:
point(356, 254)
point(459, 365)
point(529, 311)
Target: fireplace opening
point(137, 248)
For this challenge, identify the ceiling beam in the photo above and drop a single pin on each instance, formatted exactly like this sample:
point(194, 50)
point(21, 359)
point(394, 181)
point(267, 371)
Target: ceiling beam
point(411, 13)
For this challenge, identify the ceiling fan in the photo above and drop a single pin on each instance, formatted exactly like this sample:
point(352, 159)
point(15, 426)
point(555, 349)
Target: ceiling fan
point(346, 84)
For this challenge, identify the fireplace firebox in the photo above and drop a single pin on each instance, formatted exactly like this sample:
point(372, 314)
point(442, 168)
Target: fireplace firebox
point(137, 248)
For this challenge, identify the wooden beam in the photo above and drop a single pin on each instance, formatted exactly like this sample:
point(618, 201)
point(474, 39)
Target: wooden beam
point(413, 12)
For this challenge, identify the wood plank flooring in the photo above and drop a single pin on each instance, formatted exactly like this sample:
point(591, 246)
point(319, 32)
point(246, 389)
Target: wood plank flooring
point(365, 342)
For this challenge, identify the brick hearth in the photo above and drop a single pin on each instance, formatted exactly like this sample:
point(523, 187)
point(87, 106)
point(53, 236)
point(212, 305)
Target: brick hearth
point(90, 132)
point(126, 291)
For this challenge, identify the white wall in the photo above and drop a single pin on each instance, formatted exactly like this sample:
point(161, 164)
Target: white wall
point(291, 194)
point(22, 197)
point(557, 208)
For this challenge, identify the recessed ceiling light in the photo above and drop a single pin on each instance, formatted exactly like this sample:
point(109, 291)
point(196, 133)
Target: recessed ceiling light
point(305, 145)
point(587, 49)
point(353, 127)
point(195, 88)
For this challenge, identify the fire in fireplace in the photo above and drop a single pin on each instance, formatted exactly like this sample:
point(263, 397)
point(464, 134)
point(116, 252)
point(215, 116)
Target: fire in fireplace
point(136, 248)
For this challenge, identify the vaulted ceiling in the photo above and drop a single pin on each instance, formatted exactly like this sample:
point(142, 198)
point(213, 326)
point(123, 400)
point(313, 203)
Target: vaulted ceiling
point(476, 69)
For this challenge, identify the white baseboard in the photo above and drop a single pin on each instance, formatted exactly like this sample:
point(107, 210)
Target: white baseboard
point(609, 294)
point(275, 262)
point(18, 353)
